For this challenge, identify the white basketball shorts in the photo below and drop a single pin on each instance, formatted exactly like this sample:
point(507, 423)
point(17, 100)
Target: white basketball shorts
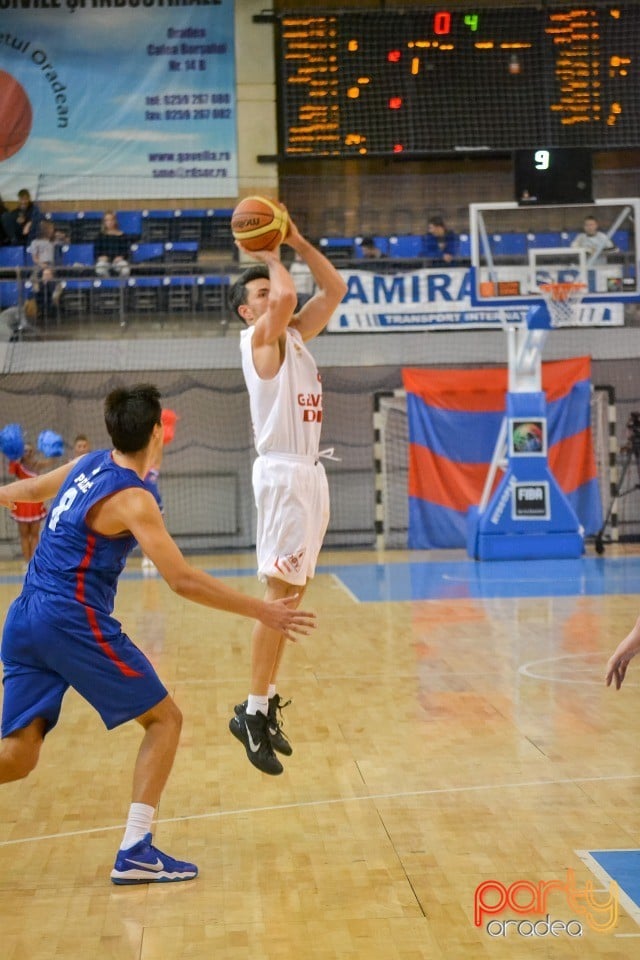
point(292, 499)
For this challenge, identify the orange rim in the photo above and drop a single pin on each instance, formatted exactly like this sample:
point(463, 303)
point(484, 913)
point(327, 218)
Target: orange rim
point(561, 291)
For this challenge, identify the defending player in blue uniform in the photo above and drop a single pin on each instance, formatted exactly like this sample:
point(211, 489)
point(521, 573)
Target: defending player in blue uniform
point(60, 631)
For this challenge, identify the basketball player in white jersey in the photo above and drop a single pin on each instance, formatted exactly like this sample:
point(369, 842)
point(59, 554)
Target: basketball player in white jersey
point(289, 481)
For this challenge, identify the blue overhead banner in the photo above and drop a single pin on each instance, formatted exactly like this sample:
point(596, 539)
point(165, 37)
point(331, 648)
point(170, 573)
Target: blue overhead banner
point(124, 89)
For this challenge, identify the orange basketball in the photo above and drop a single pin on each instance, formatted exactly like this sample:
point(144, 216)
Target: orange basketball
point(16, 115)
point(259, 223)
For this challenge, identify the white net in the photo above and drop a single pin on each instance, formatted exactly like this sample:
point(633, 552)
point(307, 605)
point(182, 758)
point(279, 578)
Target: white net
point(563, 301)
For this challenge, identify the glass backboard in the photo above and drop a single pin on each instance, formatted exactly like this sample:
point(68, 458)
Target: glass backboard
point(515, 248)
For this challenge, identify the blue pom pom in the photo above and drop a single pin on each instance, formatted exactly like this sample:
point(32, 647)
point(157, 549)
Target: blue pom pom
point(50, 443)
point(12, 441)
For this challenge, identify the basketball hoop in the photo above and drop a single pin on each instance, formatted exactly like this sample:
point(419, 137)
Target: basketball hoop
point(563, 302)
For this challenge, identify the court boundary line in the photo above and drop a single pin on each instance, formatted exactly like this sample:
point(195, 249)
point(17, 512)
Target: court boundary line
point(524, 670)
point(304, 804)
point(630, 906)
point(337, 579)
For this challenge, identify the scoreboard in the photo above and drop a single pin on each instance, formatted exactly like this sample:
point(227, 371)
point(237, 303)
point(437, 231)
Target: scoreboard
point(458, 79)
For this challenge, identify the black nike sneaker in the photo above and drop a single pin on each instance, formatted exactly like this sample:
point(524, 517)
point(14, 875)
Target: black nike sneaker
point(253, 732)
point(279, 741)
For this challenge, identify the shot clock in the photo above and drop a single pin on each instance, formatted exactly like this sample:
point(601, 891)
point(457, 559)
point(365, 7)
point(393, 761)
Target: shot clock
point(553, 175)
point(458, 79)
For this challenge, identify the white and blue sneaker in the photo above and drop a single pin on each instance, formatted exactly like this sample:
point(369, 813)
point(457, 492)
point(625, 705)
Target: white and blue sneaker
point(144, 863)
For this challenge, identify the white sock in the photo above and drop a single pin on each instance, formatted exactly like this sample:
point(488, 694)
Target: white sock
point(138, 824)
point(272, 691)
point(255, 704)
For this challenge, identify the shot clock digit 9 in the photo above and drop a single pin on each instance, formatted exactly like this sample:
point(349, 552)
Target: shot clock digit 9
point(553, 175)
point(449, 80)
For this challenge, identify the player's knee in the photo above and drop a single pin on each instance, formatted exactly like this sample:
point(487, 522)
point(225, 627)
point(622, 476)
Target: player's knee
point(174, 717)
point(17, 761)
point(179, 718)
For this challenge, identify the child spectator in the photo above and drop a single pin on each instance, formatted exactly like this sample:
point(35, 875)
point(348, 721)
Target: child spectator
point(42, 249)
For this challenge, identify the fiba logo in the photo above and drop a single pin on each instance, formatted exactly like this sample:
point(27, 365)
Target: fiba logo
point(528, 437)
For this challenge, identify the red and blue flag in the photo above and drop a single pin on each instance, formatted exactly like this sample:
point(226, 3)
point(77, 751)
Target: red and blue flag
point(454, 422)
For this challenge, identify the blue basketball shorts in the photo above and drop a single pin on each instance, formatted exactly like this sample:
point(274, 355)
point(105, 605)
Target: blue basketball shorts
point(49, 645)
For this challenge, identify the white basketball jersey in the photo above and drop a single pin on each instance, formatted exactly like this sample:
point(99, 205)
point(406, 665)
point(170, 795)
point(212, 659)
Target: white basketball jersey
point(286, 411)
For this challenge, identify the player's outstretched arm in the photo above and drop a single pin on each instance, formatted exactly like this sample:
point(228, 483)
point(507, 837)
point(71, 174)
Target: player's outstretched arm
point(330, 287)
point(138, 512)
point(35, 489)
point(624, 652)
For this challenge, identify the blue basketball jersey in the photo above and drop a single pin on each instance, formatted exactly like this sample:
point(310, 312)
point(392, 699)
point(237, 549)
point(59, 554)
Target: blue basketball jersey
point(73, 562)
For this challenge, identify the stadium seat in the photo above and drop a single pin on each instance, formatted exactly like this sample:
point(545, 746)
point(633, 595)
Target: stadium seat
point(130, 222)
point(621, 240)
point(107, 295)
point(86, 226)
point(8, 293)
point(12, 257)
point(217, 231)
point(156, 225)
point(75, 296)
point(508, 244)
point(147, 253)
point(180, 252)
point(464, 246)
point(77, 254)
point(144, 293)
point(545, 239)
point(405, 245)
point(337, 249)
point(181, 293)
point(213, 292)
point(190, 224)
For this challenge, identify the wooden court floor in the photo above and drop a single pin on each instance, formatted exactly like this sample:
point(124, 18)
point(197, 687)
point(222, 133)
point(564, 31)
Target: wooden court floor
point(438, 744)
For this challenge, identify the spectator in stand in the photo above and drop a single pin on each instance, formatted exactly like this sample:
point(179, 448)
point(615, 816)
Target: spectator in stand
point(61, 236)
point(21, 225)
point(441, 243)
point(111, 248)
point(42, 249)
point(37, 310)
point(4, 239)
point(81, 445)
point(592, 239)
point(370, 250)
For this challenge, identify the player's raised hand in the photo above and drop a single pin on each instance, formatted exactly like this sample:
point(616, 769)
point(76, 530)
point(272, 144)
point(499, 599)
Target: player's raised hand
point(293, 235)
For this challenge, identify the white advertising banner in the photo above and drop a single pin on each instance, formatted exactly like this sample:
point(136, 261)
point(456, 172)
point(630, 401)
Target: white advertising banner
point(430, 299)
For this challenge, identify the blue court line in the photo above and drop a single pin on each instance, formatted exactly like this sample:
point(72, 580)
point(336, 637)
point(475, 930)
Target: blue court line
point(436, 580)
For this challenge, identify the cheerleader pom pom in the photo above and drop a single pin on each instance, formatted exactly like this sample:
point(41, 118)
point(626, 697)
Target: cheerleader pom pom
point(12, 441)
point(169, 418)
point(51, 444)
